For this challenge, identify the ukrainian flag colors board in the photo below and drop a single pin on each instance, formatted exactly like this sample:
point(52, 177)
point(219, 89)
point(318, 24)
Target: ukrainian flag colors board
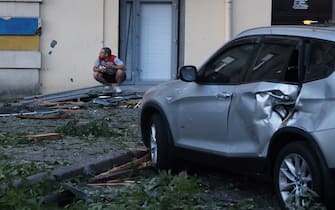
point(20, 56)
point(19, 43)
point(19, 26)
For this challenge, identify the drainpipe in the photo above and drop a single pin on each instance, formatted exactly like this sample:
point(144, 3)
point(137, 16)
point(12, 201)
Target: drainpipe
point(228, 18)
point(103, 22)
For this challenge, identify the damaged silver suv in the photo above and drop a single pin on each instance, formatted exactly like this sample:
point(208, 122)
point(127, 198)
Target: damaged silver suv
point(267, 97)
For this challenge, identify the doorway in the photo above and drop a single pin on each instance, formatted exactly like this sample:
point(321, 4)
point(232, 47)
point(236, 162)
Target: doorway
point(149, 40)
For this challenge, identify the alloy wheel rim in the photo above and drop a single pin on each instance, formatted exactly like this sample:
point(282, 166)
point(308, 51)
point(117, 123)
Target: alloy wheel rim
point(153, 145)
point(295, 180)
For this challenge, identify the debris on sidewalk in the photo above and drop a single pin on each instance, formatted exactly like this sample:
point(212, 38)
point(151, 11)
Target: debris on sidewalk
point(56, 106)
point(118, 100)
point(44, 116)
point(71, 105)
point(112, 177)
point(115, 182)
point(133, 103)
point(37, 137)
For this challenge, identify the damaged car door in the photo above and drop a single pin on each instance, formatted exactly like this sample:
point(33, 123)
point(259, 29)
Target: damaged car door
point(203, 109)
point(267, 98)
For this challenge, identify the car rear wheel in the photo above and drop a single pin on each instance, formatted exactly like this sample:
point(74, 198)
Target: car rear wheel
point(159, 142)
point(297, 177)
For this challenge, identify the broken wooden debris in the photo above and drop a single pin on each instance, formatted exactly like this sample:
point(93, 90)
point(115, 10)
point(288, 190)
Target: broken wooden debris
point(116, 172)
point(115, 182)
point(31, 107)
point(84, 94)
point(116, 100)
point(51, 104)
point(64, 105)
point(44, 116)
point(133, 103)
point(64, 173)
point(44, 136)
point(26, 113)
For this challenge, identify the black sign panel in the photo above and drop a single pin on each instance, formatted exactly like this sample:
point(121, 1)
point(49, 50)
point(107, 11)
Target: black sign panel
point(293, 12)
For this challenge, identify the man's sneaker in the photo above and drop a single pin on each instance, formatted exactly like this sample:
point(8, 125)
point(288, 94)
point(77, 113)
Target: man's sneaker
point(118, 89)
point(108, 87)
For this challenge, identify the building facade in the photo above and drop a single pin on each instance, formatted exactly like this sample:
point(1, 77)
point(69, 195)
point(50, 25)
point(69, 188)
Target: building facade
point(48, 46)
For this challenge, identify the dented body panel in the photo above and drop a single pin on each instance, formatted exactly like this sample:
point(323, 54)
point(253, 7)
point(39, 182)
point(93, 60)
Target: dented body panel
point(267, 96)
point(239, 119)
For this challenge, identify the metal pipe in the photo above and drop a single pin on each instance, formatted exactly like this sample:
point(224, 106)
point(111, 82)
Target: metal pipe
point(228, 19)
point(103, 22)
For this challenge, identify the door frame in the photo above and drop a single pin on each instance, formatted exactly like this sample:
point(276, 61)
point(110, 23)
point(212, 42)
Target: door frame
point(133, 74)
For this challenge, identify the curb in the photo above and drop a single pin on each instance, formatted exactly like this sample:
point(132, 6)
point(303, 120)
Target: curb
point(83, 169)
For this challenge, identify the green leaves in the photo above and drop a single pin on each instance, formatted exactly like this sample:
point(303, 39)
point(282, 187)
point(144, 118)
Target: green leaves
point(25, 196)
point(10, 139)
point(96, 128)
point(164, 191)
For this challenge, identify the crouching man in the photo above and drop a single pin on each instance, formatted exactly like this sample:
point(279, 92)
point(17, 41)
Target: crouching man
point(109, 69)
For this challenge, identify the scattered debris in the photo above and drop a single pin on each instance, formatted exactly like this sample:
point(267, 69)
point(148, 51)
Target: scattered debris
point(56, 106)
point(115, 182)
point(72, 105)
point(133, 103)
point(44, 116)
point(22, 114)
point(43, 136)
point(111, 177)
point(128, 99)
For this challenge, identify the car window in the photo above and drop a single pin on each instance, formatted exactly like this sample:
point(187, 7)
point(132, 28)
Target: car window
point(321, 59)
point(272, 63)
point(228, 67)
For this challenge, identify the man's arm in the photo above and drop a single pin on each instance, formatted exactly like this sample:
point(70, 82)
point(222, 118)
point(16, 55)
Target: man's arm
point(98, 68)
point(118, 65)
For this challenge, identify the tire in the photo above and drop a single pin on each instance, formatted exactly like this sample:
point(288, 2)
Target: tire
point(159, 142)
point(296, 188)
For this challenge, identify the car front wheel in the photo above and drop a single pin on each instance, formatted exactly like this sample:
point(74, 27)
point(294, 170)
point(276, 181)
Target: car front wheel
point(297, 177)
point(159, 142)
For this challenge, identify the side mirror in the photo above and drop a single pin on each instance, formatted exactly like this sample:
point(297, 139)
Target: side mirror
point(188, 73)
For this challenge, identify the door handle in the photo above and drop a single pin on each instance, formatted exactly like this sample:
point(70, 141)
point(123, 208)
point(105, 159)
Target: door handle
point(279, 96)
point(224, 95)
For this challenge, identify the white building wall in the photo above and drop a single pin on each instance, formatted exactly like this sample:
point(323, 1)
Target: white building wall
point(206, 24)
point(80, 29)
point(20, 9)
point(247, 14)
point(204, 29)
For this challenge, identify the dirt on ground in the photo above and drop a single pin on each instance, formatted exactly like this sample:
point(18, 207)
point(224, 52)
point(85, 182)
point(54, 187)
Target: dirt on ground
point(122, 133)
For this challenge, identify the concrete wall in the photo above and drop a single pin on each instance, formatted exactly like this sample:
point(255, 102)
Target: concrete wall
point(81, 28)
point(250, 13)
point(204, 29)
point(206, 26)
point(18, 83)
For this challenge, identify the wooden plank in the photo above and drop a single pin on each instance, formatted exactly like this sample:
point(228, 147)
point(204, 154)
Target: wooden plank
point(44, 136)
point(19, 26)
point(43, 116)
point(20, 59)
point(20, 43)
point(115, 172)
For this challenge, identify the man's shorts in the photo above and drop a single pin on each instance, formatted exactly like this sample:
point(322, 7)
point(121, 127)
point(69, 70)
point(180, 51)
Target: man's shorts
point(109, 76)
